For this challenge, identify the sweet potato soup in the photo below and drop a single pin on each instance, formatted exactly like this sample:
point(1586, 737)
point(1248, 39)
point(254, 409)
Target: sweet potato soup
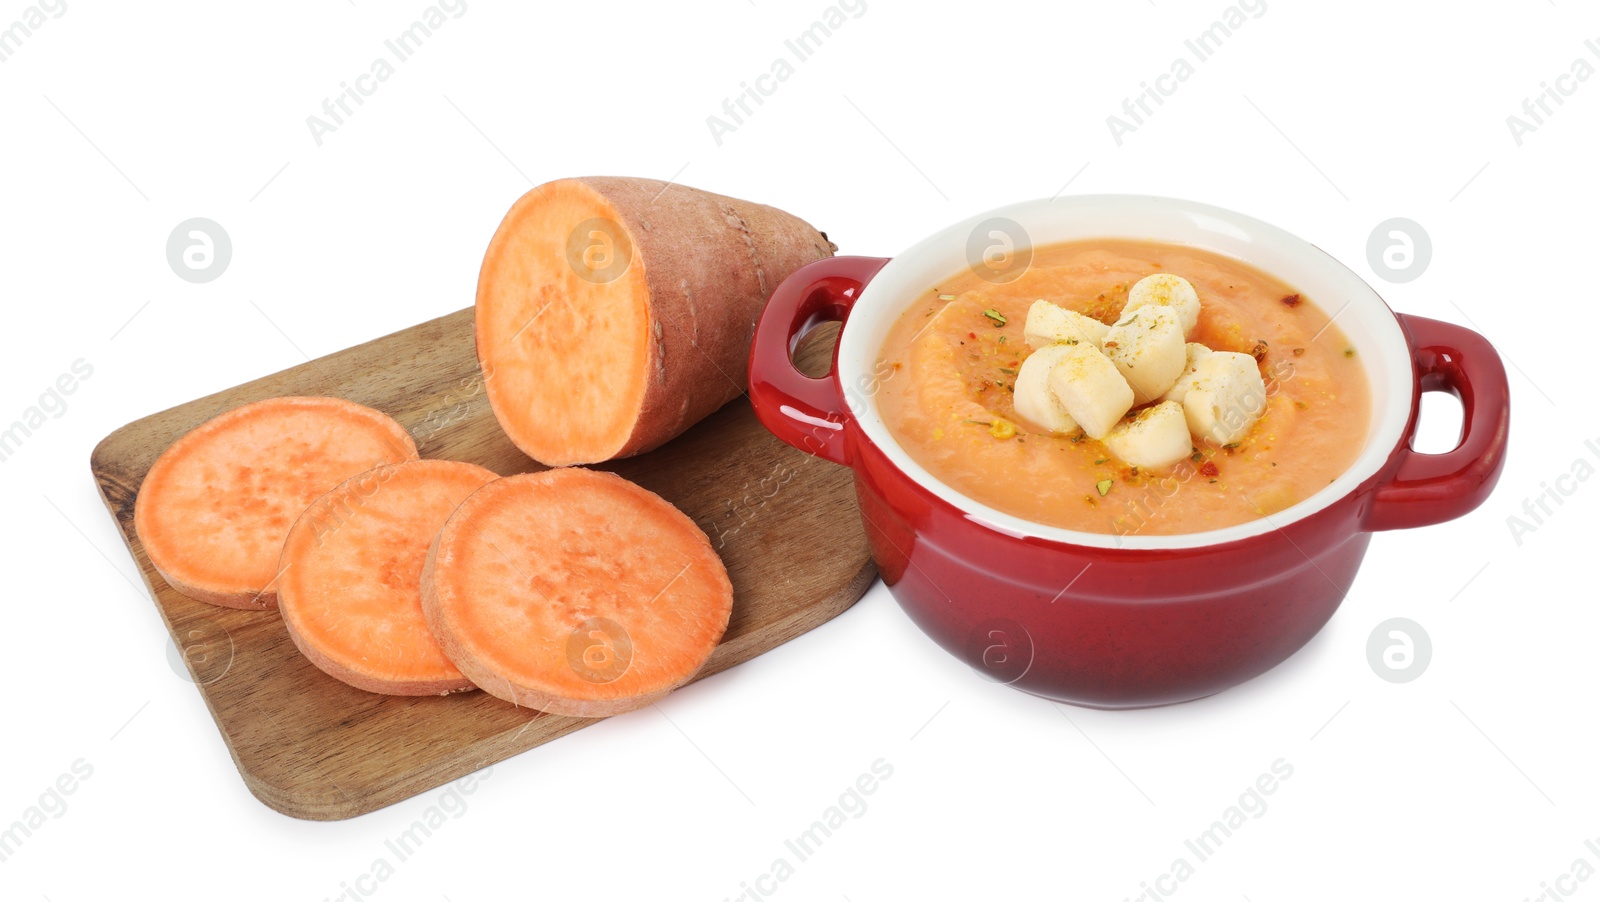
point(950, 396)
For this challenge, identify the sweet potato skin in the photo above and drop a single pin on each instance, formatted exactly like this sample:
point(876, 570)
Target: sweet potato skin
point(710, 263)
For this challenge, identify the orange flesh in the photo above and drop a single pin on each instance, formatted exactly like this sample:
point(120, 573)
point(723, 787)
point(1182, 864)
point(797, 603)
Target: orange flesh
point(216, 506)
point(351, 590)
point(949, 379)
point(565, 356)
point(529, 560)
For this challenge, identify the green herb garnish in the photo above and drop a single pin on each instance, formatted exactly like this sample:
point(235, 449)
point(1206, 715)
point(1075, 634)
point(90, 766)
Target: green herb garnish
point(1103, 486)
point(995, 315)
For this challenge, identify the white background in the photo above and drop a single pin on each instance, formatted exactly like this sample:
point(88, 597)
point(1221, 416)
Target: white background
point(1475, 781)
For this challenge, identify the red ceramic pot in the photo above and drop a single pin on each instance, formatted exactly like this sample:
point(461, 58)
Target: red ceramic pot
point(1124, 620)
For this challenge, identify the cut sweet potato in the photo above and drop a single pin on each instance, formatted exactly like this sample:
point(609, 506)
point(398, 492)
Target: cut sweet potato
point(614, 313)
point(575, 592)
point(215, 507)
point(350, 588)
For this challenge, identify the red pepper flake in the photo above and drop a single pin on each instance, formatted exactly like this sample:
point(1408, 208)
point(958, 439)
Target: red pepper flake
point(972, 335)
point(1291, 300)
point(1259, 352)
point(1208, 469)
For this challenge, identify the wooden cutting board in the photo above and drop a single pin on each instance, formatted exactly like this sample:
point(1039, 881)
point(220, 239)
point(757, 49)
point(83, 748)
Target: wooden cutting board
point(313, 747)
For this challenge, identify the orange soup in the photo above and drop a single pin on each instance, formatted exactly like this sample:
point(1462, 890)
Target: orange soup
point(956, 351)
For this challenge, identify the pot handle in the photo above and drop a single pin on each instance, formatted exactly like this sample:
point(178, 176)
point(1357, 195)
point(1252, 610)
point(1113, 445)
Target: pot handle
point(806, 412)
point(1431, 488)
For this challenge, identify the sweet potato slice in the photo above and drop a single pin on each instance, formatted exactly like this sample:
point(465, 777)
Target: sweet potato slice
point(575, 592)
point(614, 313)
point(215, 507)
point(350, 584)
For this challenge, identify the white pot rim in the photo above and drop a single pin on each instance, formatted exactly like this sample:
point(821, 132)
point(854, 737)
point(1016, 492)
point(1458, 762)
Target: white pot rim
point(1363, 316)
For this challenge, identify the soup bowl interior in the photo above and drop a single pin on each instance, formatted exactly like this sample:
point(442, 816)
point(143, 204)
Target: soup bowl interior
point(1366, 320)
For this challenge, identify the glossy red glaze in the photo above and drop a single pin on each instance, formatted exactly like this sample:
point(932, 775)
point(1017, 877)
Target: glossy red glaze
point(1120, 627)
point(1432, 488)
